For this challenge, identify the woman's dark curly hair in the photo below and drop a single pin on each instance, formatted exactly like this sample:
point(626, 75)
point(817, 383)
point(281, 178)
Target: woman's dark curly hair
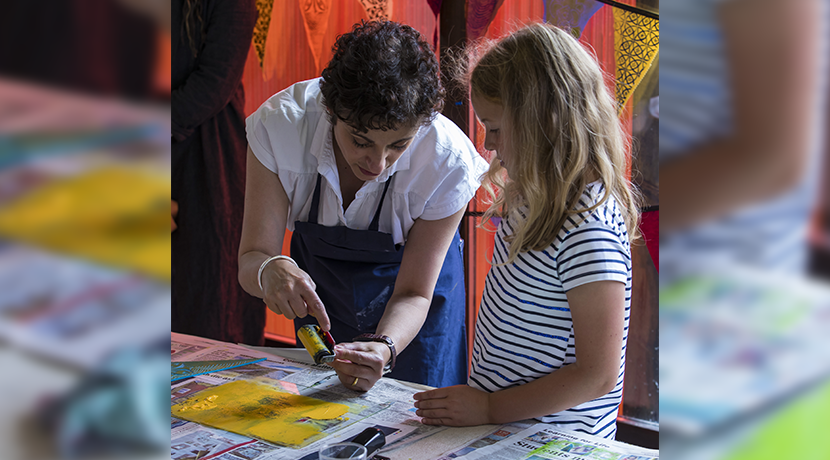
point(383, 75)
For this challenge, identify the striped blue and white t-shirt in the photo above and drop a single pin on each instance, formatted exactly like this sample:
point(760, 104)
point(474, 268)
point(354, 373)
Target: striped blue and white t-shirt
point(696, 107)
point(524, 329)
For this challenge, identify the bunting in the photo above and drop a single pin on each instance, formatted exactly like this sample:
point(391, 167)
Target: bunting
point(316, 20)
point(435, 6)
point(277, 61)
point(571, 15)
point(377, 10)
point(263, 8)
point(636, 43)
point(480, 14)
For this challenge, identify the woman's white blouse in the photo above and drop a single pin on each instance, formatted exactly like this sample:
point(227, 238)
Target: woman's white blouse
point(436, 176)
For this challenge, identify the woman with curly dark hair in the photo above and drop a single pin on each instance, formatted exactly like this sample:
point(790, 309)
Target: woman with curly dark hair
point(373, 183)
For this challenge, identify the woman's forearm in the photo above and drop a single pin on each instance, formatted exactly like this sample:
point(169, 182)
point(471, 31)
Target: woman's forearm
point(249, 264)
point(403, 318)
point(263, 223)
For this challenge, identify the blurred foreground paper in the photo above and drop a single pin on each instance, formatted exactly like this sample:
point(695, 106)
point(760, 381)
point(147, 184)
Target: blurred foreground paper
point(116, 216)
point(77, 312)
point(736, 341)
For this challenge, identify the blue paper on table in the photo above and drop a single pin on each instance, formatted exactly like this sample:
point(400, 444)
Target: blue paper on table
point(185, 369)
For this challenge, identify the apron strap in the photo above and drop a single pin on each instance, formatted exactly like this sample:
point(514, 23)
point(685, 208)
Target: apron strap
point(315, 201)
point(374, 225)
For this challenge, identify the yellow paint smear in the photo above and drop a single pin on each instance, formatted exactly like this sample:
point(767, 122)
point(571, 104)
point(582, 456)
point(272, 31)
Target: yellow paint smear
point(113, 215)
point(261, 411)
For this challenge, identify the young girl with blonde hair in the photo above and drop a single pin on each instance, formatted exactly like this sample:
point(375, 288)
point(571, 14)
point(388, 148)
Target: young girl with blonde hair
point(551, 331)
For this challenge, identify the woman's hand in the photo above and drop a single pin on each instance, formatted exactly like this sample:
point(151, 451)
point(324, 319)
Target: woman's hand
point(459, 405)
point(289, 291)
point(360, 364)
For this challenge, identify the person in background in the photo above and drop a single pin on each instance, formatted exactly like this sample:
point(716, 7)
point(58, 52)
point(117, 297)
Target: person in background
point(552, 328)
point(373, 182)
point(210, 43)
point(99, 47)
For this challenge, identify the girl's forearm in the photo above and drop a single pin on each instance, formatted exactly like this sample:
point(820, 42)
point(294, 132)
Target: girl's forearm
point(563, 389)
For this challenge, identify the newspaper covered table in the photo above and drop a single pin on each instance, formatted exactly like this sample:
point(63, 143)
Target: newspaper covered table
point(389, 406)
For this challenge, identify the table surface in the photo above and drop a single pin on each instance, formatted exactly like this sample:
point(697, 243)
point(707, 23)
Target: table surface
point(433, 446)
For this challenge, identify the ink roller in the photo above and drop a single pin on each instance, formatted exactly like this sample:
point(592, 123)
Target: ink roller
point(318, 343)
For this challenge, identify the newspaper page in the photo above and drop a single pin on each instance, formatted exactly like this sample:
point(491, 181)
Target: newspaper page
point(74, 311)
point(737, 342)
point(498, 435)
point(543, 441)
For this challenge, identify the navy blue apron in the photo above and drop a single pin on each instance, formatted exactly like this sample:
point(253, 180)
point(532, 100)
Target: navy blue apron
point(355, 273)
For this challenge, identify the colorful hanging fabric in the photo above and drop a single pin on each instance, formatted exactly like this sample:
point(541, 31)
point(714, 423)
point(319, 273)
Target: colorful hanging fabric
point(377, 10)
point(636, 44)
point(571, 15)
point(316, 20)
point(280, 45)
point(480, 14)
point(263, 8)
point(435, 6)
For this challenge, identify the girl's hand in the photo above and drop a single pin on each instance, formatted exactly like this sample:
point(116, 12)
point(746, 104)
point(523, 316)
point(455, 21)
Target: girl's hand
point(459, 405)
point(363, 361)
point(289, 291)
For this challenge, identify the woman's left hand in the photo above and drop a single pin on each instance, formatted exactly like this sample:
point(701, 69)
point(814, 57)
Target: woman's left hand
point(360, 364)
point(459, 405)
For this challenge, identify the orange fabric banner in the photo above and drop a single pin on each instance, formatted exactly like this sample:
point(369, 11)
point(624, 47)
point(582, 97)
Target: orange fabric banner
point(275, 61)
point(316, 20)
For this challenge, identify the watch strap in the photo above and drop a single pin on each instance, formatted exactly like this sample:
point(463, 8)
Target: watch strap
point(382, 339)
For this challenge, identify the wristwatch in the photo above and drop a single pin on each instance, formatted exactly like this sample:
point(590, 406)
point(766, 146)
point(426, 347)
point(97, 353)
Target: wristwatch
point(382, 339)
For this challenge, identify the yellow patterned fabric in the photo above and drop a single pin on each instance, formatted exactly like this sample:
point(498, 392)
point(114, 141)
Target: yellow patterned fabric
point(263, 8)
point(636, 43)
point(377, 9)
point(115, 216)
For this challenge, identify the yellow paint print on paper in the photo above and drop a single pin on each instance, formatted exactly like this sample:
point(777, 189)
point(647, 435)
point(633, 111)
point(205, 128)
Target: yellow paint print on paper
point(263, 412)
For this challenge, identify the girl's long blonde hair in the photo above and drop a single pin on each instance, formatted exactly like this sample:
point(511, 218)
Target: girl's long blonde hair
point(561, 130)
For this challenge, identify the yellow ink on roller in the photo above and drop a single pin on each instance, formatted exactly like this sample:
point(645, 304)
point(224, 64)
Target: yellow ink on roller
point(317, 342)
